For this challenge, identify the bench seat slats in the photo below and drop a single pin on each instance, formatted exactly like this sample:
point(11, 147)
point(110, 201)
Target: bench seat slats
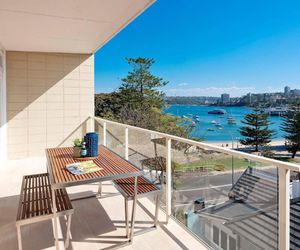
point(36, 197)
point(144, 186)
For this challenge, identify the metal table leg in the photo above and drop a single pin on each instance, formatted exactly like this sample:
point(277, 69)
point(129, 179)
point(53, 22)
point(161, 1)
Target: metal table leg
point(19, 237)
point(126, 217)
point(55, 229)
point(133, 208)
point(99, 194)
point(67, 242)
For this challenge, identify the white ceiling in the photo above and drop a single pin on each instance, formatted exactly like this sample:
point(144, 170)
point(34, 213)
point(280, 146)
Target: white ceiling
point(70, 26)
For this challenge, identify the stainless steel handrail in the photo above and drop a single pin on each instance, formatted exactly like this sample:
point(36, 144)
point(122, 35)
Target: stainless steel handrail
point(285, 165)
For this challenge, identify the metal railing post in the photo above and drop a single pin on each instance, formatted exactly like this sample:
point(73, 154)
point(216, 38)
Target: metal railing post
point(104, 133)
point(283, 209)
point(126, 143)
point(168, 179)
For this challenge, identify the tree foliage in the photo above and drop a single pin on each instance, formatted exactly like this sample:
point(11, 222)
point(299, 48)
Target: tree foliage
point(139, 101)
point(108, 105)
point(291, 127)
point(256, 131)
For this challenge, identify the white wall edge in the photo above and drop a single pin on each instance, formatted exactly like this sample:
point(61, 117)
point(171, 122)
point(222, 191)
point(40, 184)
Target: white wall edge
point(3, 111)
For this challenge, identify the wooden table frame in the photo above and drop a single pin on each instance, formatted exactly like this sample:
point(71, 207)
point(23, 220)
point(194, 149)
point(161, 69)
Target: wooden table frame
point(56, 184)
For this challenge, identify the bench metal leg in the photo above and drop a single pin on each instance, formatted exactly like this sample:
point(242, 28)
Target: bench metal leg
point(55, 224)
point(157, 198)
point(133, 208)
point(55, 231)
point(155, 220)
point(68, 231)
point(19, 237)
point(126, 217)
point(99, 194)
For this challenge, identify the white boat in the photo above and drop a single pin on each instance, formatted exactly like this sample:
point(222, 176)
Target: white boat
point(193, 124)
point(213, 122)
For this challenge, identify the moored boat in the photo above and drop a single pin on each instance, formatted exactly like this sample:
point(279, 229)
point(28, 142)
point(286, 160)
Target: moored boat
point(193, 124)
point(217, 112)
point(231, 120)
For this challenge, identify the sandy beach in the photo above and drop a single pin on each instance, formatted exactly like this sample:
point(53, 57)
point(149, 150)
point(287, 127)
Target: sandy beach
point(277, 147)
point(235, 144)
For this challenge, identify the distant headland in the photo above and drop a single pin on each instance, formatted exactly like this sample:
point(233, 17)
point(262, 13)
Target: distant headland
point(258, 99)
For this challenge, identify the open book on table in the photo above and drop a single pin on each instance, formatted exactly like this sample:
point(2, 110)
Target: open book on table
point(83, 167)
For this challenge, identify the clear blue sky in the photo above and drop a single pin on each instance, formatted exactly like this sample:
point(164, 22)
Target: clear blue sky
point(210, 47)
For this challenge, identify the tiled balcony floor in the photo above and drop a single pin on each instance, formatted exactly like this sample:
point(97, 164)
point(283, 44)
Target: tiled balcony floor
point(96, 223)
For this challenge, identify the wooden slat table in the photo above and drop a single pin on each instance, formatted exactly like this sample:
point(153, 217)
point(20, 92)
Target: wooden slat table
point(113, 167)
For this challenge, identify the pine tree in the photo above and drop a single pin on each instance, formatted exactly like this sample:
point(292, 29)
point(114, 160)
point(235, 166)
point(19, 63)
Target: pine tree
point(291, 127)
point(256, 131)
point(140, 87)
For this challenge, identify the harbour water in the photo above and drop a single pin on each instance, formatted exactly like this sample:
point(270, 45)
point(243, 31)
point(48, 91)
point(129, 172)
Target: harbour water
point(206, 128)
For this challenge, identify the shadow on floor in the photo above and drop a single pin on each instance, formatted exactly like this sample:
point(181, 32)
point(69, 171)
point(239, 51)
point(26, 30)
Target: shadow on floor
point(89, 220)
point(35, 236)
point(90, 224)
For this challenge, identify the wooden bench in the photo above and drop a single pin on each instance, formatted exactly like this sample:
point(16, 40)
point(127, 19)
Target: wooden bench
point(36, 203)
point(145, 188)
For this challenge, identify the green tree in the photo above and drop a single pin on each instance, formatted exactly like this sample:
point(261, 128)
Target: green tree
point(140, 86)
point(291, 127)
point(256, 131)
point(108, 105)
point(139, 101)
point(141, 98)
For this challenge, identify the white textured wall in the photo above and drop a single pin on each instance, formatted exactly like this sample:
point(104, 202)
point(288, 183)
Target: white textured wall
point(3, 148)
point(48, 96)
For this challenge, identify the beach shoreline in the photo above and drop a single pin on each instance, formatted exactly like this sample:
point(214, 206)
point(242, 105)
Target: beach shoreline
point(235, 144)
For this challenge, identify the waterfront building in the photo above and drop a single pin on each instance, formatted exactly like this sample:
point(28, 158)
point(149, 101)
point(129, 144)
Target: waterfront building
point(287, 90)
point(295, 92)
point(225, 98)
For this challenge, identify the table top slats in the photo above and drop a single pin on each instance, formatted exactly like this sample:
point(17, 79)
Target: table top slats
point(108, 161)
point(113, 167)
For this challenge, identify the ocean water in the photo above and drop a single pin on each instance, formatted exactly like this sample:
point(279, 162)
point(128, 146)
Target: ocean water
point(228, 132)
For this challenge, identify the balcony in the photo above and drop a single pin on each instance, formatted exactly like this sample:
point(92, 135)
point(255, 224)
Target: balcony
point(96, 224)
point(213, 197)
